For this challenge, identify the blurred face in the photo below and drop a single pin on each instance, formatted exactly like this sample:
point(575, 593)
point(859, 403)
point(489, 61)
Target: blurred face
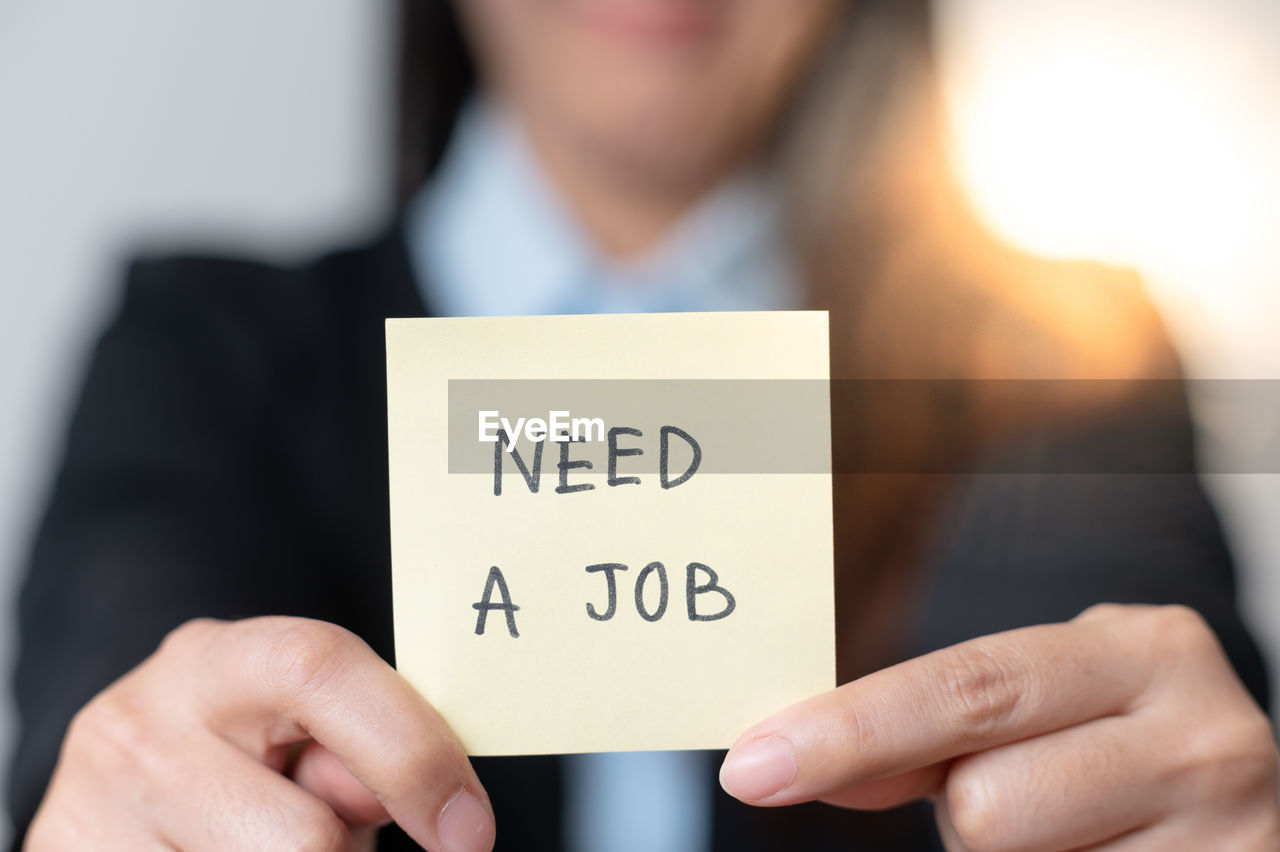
point(669, 92)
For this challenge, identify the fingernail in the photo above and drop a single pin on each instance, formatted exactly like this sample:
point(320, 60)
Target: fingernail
point(758, 769)
point(466, 825)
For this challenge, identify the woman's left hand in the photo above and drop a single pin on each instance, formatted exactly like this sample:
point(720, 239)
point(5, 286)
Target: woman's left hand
point(1123, 729)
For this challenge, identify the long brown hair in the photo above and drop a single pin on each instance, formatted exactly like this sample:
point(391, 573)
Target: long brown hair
point(916, 287)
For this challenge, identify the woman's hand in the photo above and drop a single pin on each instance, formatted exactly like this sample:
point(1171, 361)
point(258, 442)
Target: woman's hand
point(1124, 729)
point(270, 733)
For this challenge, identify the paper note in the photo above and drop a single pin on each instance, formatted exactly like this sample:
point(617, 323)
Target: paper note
point(611, 532)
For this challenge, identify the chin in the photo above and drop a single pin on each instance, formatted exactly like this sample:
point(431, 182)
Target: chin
point(670, 125)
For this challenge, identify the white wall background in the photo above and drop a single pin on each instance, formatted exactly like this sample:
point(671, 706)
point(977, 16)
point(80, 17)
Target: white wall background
point(263, 125)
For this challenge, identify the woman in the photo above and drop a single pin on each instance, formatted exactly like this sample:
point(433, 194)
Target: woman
point(228, 460)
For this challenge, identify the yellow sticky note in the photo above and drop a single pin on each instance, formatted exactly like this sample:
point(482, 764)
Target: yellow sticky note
point(611, 532)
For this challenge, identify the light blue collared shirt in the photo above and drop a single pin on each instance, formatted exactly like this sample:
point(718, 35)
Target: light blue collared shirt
point(488, 237)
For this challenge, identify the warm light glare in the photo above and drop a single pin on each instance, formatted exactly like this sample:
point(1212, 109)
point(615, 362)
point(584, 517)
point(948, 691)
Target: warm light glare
point(1143, 139)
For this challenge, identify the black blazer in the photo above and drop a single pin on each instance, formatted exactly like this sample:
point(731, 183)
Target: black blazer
point(228, 459)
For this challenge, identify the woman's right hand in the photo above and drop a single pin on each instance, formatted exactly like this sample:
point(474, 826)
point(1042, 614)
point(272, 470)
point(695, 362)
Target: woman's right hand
point(268, 733)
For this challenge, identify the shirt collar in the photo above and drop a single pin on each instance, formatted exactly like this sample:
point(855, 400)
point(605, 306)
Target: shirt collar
point(488, 236)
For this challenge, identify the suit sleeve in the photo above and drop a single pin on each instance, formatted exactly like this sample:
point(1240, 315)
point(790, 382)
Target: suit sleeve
point(164, 507)
point(1112, 511)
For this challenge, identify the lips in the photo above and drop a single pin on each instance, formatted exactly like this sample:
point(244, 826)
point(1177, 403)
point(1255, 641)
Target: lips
point(671, 22)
